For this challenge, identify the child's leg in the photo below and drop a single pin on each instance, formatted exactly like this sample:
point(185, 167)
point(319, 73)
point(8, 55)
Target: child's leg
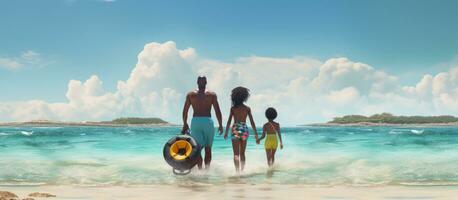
point(242, 153)
point(268, 156)
point(236, 149)
point(273, 156)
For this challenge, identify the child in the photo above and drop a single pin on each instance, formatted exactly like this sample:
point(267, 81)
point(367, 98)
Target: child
point(239, 111)
point(271, 129)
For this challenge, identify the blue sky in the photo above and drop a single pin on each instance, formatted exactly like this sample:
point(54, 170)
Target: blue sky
point(86, 37)
point(78, 38)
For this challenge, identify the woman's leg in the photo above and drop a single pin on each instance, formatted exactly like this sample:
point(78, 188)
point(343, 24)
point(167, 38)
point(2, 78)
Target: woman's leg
point(236, 149)
point(242, 153)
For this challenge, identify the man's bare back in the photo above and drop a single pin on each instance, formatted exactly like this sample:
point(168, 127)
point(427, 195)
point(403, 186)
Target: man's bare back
point(201, 102)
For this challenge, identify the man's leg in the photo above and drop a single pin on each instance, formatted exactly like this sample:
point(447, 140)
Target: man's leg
point(198, 134)
point(208, 156)
point(199, 162)
point(209, 133)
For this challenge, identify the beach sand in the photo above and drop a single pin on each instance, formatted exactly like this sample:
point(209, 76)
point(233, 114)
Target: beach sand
point(242, 191)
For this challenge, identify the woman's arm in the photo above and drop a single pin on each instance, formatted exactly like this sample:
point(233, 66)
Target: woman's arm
point(263, 133)
point(279, 136)
point(229, 120)
point(252, 123)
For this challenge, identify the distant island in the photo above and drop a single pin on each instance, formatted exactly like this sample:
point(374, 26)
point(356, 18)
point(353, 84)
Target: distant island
point(390, 119)
point(136, 120)
point(130, 121)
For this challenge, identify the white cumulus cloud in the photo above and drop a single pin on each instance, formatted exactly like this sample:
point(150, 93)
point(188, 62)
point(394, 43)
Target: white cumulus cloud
point(302, 89)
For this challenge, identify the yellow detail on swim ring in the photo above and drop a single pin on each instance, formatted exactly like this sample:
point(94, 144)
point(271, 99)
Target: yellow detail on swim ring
point(180, 150)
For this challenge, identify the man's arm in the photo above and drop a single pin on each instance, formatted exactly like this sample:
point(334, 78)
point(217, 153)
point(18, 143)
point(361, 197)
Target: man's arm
point(187, 104)
point(218, 114)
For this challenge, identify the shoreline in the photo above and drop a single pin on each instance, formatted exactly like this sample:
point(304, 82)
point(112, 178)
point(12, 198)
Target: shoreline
point(241, 191)
point(83, 124)
point(370, 124)
point(97, 124)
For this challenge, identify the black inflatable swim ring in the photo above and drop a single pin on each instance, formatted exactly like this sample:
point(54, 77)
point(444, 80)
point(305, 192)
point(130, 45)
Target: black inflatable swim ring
point(181, 152)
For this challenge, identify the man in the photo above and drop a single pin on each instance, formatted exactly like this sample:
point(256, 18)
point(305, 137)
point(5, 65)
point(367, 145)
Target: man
point(202, 128)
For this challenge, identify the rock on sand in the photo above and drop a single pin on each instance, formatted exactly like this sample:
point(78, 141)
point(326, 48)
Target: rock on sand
point(40, 194)
point(4, 195)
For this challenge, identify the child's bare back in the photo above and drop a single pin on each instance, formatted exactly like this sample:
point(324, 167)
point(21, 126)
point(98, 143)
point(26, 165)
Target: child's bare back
point(271, 127)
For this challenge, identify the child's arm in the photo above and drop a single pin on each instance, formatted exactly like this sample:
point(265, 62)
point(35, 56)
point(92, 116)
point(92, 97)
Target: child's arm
point(252, 124)
point(229, 120)
point(279, 136)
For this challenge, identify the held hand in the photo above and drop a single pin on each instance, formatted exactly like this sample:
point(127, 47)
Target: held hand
point(220, 130)
point(185, 128)
point(225, 136)
point(281, 146)
point(258, 141)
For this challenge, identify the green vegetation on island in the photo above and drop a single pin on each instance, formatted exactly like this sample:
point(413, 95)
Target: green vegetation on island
point(137, 120)
point(387, 118)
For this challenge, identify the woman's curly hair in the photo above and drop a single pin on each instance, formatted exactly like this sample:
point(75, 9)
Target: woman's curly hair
point(239, 95)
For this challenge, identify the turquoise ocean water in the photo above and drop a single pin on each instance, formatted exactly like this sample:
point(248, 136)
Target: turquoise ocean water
point(312, 156)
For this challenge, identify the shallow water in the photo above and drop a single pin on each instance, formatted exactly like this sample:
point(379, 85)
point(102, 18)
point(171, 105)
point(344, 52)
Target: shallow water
point(312, 156)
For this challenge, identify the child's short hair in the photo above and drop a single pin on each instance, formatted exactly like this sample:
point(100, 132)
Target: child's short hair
point(239, 95)
point(271, 113)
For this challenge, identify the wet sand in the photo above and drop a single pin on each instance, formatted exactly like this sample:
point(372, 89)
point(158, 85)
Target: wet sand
point(241, 191)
